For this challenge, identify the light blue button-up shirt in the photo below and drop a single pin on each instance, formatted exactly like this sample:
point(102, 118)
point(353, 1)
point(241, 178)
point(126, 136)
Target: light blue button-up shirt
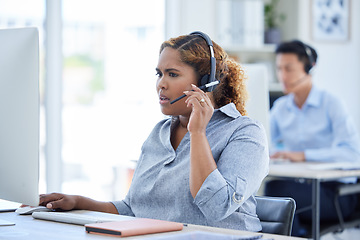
point(322, 128)
point(160, 186)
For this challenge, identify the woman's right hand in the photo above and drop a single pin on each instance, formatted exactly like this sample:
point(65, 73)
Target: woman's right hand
point(59, 201)
point(69, 202)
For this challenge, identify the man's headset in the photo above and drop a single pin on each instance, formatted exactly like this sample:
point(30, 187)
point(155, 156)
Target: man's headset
point(309, 56)
point(308, 66)
point(207, 82)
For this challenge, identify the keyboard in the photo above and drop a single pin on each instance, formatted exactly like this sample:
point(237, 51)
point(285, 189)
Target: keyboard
point(79, 217)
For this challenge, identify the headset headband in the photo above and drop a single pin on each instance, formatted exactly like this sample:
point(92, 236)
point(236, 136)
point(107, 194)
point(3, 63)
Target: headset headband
point(310, 57)
point(208, 78)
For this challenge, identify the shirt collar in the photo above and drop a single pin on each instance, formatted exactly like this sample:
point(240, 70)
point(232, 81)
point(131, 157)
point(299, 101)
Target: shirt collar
point(313, 99)
point(230, 110)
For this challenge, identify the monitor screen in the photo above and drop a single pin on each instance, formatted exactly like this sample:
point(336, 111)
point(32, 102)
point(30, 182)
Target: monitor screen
point(19, 111)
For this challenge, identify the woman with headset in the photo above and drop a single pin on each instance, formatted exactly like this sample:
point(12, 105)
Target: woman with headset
point(309, 124)
point(204, 164)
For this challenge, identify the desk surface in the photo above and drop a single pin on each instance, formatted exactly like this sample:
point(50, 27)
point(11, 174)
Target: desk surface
point(310, 171)
point(29, 228)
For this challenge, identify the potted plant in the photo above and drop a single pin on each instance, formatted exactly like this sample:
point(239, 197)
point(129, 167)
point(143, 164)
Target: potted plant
point(272, 18)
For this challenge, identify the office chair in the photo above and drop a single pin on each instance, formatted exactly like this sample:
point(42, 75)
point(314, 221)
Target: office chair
point(276, 214)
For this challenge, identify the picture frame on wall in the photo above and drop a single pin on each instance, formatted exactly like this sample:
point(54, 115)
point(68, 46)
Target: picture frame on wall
point(330, 20)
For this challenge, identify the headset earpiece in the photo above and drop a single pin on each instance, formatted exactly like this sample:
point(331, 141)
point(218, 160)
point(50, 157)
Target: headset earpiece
point(208, 78)
point(204, 80)
point(309, 55)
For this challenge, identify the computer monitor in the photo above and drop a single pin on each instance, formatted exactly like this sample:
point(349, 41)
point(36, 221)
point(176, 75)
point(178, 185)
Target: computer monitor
point(19, 111)
point(258, 88)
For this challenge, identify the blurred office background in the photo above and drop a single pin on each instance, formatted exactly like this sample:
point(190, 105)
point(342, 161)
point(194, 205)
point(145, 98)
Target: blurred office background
point(98, 59)
point(98, 98)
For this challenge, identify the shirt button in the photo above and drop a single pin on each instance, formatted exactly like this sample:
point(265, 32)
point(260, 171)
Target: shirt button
point(237, 200)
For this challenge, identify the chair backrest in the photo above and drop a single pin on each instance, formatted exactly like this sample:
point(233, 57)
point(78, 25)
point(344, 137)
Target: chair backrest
point(276, 214)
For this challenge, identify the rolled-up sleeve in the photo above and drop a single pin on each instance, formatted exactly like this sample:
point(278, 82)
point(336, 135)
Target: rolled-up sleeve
point(123, 207)
point(241, 168)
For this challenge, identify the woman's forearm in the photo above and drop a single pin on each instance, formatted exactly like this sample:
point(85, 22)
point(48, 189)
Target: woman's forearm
point(201, 161)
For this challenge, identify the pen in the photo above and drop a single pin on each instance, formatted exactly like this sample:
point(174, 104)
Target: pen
point(202, 88)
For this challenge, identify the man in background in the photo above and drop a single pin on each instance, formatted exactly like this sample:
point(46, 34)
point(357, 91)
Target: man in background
point(312, 125)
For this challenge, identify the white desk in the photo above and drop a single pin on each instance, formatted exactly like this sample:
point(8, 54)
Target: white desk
point(28, 228)
point(316, 175)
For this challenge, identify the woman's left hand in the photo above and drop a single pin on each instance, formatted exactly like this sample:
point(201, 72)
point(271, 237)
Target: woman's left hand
point(202, 110)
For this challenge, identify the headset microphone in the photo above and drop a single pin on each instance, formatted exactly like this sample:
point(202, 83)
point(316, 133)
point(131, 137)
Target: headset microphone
point(300, 80)
point(208, 82)
point(202, 88)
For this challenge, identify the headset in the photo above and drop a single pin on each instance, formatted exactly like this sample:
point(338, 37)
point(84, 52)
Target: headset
point(309, 55)
point(208, 78)
point(207, 82)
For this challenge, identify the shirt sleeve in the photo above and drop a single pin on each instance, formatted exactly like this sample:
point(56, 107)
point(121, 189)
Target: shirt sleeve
point(123, 207)
point(242, 166)
point(345, 145)
point(274, 130)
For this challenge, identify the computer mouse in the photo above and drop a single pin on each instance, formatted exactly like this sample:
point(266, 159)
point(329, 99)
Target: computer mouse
point(27, 210)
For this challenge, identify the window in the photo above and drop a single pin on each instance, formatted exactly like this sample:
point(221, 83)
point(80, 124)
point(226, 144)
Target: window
point(109, 103)
point(109, 100)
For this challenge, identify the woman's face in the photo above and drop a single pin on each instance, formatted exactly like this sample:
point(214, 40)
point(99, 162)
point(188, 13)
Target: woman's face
point(290, 71)
point(174, 77)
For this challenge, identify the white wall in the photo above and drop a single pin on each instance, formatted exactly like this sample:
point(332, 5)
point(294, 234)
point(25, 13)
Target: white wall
point(186, 16)
point(338, 68)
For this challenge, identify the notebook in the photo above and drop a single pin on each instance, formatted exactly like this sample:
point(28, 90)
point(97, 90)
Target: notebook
point(133, 227)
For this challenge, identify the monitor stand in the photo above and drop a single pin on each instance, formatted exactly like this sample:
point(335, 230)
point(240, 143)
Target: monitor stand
point(7, 206)
point(6, 223)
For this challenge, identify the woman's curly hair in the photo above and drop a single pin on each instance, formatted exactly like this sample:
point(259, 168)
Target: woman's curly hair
point(195, 52)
